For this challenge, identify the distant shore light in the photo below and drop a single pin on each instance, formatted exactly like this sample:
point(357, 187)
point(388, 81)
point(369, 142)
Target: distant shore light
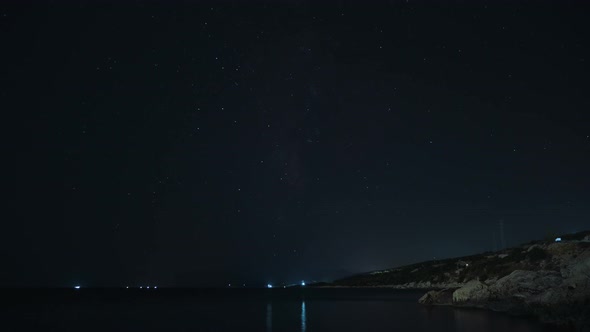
point(77, 287)
point(268, 286)
point(557, 239)
point(302, 283)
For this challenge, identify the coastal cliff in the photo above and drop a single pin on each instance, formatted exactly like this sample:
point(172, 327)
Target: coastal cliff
point(547, 279)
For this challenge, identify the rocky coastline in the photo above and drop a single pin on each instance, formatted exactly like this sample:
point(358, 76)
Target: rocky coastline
point(546, 279)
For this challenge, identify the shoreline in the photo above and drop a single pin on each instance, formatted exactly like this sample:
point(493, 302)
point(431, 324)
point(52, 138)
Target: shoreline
point(547, 279)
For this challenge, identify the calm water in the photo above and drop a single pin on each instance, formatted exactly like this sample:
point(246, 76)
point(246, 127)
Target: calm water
point(304, 310)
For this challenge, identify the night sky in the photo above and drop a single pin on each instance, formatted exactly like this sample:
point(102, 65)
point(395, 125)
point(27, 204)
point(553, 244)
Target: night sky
point(195, 144)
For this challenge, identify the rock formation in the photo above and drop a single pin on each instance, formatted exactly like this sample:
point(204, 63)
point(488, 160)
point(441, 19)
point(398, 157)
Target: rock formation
point(548, 279)
point(560, 295)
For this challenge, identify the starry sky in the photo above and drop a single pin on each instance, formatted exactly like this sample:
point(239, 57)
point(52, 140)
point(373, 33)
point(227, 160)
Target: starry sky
point(201, 144)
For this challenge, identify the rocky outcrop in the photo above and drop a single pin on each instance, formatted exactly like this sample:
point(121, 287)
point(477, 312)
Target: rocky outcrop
point(434, 297)
point(473, 291)
point(547, 279)
point(525, 284)
point(546, 294)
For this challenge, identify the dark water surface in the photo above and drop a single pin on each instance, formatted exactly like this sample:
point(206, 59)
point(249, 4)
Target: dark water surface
point(305, 310)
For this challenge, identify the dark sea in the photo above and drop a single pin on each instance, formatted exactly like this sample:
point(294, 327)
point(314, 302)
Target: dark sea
point(304, 310)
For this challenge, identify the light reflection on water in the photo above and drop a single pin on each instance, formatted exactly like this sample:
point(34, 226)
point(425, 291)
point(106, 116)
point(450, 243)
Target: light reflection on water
point(269, 317)
point(303, 318)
